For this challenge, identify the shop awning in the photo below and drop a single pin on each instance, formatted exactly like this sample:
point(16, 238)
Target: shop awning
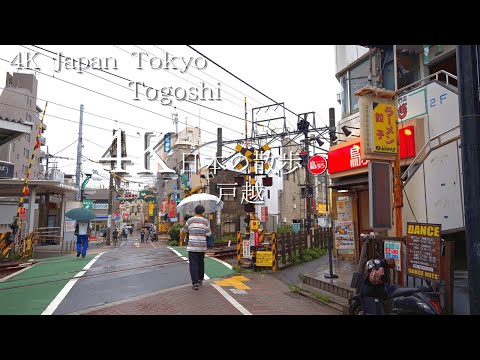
point(347, 184)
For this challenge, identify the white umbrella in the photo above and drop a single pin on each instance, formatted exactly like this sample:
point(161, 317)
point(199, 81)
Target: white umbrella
point(211, 203)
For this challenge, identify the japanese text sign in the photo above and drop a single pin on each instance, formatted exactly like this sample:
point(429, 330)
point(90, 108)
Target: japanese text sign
point(393, 250)
point(384, 128)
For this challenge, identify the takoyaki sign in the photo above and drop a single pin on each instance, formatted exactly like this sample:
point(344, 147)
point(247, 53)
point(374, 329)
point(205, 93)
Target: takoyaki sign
point(344, 234)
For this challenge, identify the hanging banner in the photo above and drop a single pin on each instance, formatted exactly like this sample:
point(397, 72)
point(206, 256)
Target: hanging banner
point(172, 209)
point(167, 145)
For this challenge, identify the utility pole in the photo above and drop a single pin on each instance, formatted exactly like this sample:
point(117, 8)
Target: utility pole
point(330, 275)
point(308, 185)
point(469, 109)
point(219, 155)
point(110, 194)
point(175, 122)
point(397, 180)
point(79, 154)
point(159, 197)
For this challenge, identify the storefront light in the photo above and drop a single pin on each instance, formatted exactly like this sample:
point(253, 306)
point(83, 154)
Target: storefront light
point(342, 191)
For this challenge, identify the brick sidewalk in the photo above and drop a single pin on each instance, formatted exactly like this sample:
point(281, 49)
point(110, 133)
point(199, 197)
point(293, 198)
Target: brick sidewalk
point(266, 296)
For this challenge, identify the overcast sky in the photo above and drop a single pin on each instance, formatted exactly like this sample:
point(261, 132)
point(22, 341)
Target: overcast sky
point(303, 77)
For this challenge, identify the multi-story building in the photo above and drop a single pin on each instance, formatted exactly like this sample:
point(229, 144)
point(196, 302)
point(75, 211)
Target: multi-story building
point(428, 130)
point(18, 102)
point(292, 205)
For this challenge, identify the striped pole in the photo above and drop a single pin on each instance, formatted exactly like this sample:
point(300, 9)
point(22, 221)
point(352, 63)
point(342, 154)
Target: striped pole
point(18, 225)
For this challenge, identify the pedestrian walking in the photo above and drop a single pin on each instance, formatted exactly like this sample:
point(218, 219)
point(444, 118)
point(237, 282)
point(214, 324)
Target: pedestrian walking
point(81, 230)
point(142, 236)
point(115, 236)
point(130, 229)
point(198, 229)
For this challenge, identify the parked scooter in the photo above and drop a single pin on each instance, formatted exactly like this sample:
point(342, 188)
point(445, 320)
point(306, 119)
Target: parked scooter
point(374, 289)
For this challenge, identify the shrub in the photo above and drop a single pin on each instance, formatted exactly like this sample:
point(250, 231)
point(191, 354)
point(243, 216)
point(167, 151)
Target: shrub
point(284, 229)
point(174, 234)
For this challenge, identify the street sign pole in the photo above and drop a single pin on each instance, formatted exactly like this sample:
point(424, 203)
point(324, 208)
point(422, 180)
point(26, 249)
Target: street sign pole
point(330, 274)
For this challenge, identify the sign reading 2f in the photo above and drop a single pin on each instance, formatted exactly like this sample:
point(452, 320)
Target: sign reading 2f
point(167, 145)
point(442, 98)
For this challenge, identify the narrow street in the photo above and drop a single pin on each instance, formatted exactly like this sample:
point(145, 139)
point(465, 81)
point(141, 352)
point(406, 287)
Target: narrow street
point(149, 278)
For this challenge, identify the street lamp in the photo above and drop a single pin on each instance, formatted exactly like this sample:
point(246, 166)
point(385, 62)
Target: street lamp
point(82, 191)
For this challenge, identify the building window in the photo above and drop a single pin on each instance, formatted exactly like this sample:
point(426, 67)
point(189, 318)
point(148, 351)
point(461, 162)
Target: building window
point(27, 137)
point(26, 152)
point(407, 68)
point(268, 194)
point(358, 78)
point(29, 117)
point(13, 147)
point(18, 156)
point(343, 95)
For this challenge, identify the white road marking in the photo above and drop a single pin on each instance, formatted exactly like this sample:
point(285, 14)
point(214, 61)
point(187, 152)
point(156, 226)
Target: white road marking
point(63, 293)
point(231, 300)
point(123, 243)
point(205, 276)
point(153, 245)
point(222, 262)
point(16, 273)
point(175, 251)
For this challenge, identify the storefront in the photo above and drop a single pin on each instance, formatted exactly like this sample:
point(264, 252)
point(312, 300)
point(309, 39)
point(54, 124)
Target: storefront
point(350, 193)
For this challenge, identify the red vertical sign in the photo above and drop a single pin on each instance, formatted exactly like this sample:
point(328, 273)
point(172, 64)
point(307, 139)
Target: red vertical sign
point(256, 238)
point(264, 214)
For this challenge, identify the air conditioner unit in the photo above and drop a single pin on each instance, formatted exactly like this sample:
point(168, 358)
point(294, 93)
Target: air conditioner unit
point(294, 206)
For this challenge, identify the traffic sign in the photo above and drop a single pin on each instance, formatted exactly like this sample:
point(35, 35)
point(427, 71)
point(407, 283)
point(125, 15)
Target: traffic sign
point(317, 164)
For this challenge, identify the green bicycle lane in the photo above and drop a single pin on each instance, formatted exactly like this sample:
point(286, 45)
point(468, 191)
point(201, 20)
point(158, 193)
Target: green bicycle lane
point(31, 291)
point(213, 268)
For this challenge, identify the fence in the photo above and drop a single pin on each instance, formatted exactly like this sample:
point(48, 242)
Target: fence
point(47, 235)
point(288, 244)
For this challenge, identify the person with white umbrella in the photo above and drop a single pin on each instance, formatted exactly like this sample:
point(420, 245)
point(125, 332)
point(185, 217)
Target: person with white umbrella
point(198, 229)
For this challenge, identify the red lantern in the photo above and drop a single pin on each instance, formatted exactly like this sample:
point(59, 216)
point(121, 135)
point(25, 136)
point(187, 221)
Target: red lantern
point(26, 191)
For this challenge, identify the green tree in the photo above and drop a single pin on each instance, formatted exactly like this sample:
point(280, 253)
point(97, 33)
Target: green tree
point(174, 234)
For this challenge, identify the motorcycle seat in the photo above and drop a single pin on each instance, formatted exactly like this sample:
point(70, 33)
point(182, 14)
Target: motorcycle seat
point(402, 291)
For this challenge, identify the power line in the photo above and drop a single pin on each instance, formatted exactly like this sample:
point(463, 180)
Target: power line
point(184, 79)
point(189, 101)
point(113, 98)
point(195, 84)
point(65, 148)
point(235, 76)
point(131, 90)
point(76, 109)
point(213, 77)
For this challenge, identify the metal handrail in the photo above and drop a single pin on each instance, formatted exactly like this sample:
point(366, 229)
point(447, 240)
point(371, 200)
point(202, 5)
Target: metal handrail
point(422, 154)
point(428, 78)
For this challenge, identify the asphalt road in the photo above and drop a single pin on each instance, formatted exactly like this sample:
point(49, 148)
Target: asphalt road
point(131, 270)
